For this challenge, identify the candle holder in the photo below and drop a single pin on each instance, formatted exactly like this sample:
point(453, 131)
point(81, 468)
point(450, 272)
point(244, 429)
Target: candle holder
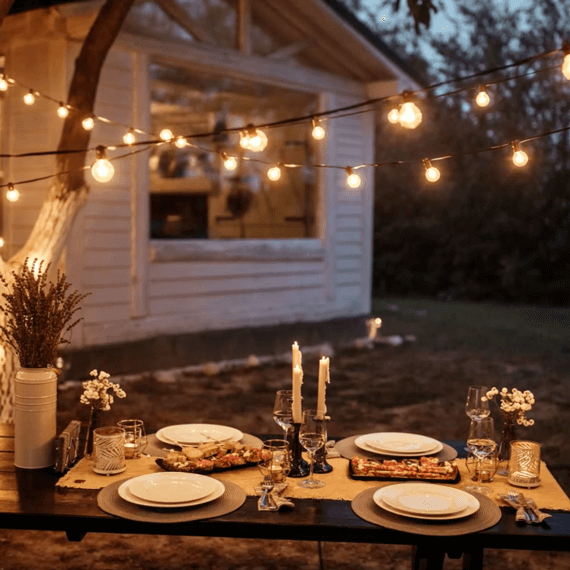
point(321, 465)
point(299, 467)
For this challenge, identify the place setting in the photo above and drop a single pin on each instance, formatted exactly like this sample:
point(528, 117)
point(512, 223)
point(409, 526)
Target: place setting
point(166, 497)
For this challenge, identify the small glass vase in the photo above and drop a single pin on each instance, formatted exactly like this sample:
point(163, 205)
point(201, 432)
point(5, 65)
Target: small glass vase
point(95, 421)
point(508, 434)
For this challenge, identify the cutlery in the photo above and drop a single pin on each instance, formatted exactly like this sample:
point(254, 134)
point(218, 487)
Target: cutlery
point(266, 501)
point(529, 504)
point(513, 498)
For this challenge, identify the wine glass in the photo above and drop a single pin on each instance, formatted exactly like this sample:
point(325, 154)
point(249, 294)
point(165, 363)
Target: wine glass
point(312, 436)
point(475, 407)
point(481, 443)
point(282, 410)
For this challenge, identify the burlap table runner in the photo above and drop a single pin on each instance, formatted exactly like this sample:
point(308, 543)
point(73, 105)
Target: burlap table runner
point(339, 485)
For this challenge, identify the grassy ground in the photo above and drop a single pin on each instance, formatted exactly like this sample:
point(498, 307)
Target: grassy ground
point(418, 386)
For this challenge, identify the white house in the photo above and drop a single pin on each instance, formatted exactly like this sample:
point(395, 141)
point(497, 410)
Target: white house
point(185, 261)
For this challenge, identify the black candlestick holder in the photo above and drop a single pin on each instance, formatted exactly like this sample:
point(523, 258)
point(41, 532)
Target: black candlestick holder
point(299, 467)
point(321, 465)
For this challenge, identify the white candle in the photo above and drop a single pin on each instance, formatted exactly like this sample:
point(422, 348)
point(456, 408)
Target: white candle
point(297, 357)
point(324, 379)
point(296, 408)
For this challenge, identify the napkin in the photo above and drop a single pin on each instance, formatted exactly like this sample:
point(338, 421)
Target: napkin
point(277, 495)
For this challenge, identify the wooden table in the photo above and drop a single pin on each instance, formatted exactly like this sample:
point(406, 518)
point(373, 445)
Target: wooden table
point(30, 500)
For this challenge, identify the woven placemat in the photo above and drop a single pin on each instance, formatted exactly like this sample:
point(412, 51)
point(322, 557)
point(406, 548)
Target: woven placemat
point(109, 501)
point(487, 516)
point(156, 448)
point(348, 449)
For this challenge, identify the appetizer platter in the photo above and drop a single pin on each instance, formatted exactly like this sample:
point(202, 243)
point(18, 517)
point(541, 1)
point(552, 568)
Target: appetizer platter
point(212, 457)
point(420, 469)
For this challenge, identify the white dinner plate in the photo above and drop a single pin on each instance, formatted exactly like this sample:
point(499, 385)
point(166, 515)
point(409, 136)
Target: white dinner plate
point(398, 444)
point(193, 434)
point(402, 499)
point(126, 494)
point(171, 487)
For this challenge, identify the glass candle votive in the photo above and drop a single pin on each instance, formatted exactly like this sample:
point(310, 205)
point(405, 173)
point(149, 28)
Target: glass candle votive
point(109, 450)
point(524, 464)
point(486, 468)
point(135, 437)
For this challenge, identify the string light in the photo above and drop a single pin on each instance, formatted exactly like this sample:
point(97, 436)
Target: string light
point(318, 131)
point(520, 158)
point(352, 180)
point(432, 173)
point(12, 194)
point(566, 62)
point(257, 140)
point(166, 135)
point(62, 111)
point(230, 163)
point(410, 115)
point(88, 123)
point(274, 173)
point(29, 97)
point(1, 242)
point(180, 142)
point(394, 116)
point(129, 137)
point(3, 84)
point(244, 140)
point(102, 169)
point(482, 98)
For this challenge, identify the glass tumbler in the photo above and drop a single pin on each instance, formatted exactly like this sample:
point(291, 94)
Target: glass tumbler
point(135, 437)
point(524, 464)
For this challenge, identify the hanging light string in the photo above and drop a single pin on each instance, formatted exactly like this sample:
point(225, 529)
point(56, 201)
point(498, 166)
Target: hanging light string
point(331, 113)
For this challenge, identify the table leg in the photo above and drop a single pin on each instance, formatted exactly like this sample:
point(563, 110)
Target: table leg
point(75, 535)
point(473, 559)
point(424, 558)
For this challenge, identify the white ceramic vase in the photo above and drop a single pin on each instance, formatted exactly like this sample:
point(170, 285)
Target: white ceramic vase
point(35, 417)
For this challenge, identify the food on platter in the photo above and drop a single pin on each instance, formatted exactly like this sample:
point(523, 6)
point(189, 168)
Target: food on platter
point(423, 468)
point(209, 457)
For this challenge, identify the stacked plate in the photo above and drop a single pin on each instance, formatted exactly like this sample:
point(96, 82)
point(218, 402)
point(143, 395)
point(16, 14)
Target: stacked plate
point(194, 434)
point(398, 444)
point(426, 501)
point(171, 490)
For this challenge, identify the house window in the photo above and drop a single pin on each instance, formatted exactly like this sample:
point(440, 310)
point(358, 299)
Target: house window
point(193, 196)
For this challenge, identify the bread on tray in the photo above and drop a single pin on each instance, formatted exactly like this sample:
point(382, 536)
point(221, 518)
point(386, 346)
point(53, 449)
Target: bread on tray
point(423, 468)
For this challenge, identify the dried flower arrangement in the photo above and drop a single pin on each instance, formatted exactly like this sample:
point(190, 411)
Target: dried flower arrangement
point(38, 314)
point(514, 404)
point(96, 392)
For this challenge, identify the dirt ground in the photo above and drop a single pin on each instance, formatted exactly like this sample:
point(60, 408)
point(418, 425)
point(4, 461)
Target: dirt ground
point(417, 387)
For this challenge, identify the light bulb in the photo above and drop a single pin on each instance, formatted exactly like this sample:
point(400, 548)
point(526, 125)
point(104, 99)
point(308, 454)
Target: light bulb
point(166, 134)
point(12, 194)
point(1, 242)
point(432, 173)
point(566, 66)
point(88, 123)
point(29, 98)
point(257, 141)
point(394, 116)
point(410, 115)
point(244, 140)
point(180, 142)
point(102, 169)
point(62, 111)
point(129, 137)
point(3, 84)
point(318, 132)
point(230, 163)
point(352, 180)
point(482, 98)
point(520, 158)
point(274, 173)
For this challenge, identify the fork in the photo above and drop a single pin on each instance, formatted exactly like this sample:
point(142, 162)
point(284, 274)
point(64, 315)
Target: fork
point(536, 515)
point(515, 497)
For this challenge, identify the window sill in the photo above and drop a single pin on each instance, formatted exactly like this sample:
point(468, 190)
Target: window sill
point(170, 251)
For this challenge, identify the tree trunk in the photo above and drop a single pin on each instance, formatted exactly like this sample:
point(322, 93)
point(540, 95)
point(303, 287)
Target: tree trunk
point(69, 191)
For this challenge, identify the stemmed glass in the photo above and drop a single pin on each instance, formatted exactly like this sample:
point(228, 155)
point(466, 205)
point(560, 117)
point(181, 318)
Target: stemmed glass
point(312, 436)
point(475, 407)
point(481, 443)
point(274, 466)
point(282, 410)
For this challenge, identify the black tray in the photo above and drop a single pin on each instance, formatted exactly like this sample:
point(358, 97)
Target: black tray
point(401, 479)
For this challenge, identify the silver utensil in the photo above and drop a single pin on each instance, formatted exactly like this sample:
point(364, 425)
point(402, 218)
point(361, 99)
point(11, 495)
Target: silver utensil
point(266, 501)
point(514, 497)
point(537, 515)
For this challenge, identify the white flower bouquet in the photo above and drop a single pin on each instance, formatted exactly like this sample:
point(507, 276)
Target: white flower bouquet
point(514, 404)
point(96, 392)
